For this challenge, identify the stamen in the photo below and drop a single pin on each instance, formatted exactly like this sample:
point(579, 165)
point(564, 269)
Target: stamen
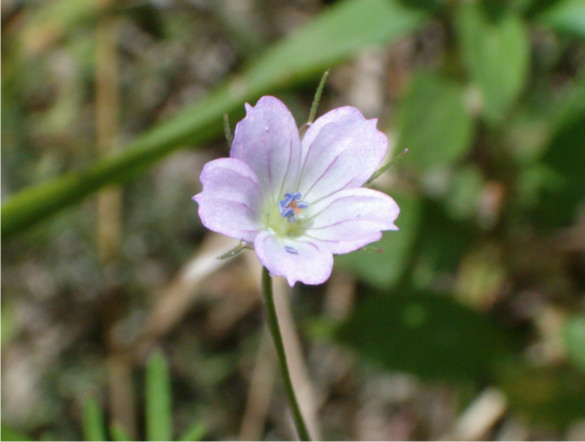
point(292, 250)
point(291, 206)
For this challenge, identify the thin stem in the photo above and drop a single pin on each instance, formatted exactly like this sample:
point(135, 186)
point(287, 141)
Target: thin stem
point(387, 166)
point(317, 97)
point(233, 252)
point(279, 345)
point(227, 130)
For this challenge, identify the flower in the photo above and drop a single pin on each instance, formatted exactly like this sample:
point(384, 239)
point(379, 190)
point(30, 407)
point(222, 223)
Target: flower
point(298, 202)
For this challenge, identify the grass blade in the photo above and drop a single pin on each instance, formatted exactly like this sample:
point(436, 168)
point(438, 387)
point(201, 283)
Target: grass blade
point(11, 434)
point(93, 421)
point(158, 399)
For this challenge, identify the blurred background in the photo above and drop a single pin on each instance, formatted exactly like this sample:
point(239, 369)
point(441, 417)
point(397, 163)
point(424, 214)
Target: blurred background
point(119, 322)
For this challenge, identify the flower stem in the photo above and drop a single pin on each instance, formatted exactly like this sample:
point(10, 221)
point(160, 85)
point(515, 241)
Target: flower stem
point(279, 345)
point(386, 166)
point(227, 130)
point(317, 97)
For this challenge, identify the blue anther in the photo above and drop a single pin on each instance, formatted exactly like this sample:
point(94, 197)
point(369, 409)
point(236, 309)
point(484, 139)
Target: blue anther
point(290, 249)
point(290, 204)
point(285, 210)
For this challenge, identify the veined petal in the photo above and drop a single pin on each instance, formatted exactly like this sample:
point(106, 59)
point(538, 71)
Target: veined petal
point(341, 150)
point(351, 218)
point(231, 199)
point(303, 261)
point(231, 179)
point(267, 140)
point(338, 115)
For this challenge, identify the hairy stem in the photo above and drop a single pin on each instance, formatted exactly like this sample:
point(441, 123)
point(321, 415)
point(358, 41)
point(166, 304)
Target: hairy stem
point(317, 97)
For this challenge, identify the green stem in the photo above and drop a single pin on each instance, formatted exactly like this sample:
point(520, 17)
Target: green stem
point(386, 166)
point(317, 97)
point(279, 345)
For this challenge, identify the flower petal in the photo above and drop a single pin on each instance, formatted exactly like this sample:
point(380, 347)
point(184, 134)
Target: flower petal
point(231, 199)
point(267, 139)
point(337, 115)
point(303, 261)
point(341, 150)
point(352, 218)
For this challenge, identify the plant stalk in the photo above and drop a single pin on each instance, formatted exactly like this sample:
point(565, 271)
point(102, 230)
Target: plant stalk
point(279, 345)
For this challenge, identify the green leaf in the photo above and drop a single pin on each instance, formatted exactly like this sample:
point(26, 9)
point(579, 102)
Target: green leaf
point(427, 5)
point(566, 151)
point(93, 421)
point(336, 34)
point(552, 395)
point(574, 334)
point(11, 434)
point(496, 54)
point(428, 335)
point(443, 239)
point(383, 270)
point(462, 199)
point(159, 415)
point(433, 123)
point(567, 16)
point(194, 433)
point(565, 157)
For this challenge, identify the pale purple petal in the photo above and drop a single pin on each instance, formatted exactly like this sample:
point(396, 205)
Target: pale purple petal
point(338, 115)
point(267, 139)
point(231, 199)
point(231, 179)
point(352, 218)
point(304, 261)
point(341, 150)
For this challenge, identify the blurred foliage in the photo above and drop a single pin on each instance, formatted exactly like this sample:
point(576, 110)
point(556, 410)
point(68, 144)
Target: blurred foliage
point(433, 123)
point(563, 16)
point(552, 393)
point(483, 285)
point(564, 157)
point(574, 332)
point(10, 434)
point(452, 341)
point(495, 53)
point(159, 414)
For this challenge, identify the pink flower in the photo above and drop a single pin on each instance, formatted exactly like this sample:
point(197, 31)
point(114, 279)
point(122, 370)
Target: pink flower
point(296, 201)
